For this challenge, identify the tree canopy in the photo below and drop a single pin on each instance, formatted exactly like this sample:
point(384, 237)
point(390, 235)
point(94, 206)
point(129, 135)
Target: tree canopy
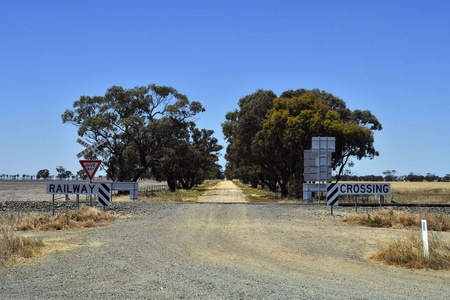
point(141, 126)
point(63, 173)
point(290, 121)
point(240, 129)
point(44, 173)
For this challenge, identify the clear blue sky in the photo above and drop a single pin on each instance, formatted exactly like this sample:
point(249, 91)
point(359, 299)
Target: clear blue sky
point(390, 57)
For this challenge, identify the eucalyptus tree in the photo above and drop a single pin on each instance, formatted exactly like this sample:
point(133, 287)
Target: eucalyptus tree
point(189, 159)
point(138, 123)
point(240, 129)
point(44, 173)
point(286, 130)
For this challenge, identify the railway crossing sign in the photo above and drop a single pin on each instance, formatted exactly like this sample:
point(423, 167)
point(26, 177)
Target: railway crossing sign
point(71, 188)
point(336, 189)
point(90, 167)
point(92, 148)
point(102, 190)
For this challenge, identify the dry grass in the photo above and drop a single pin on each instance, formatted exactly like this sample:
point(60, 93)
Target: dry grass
point(14, 247)
point(408, 253)
point(420, 187)
point(413, 192)
point(86, 217)
point(400, 219)
point(258, 194)
point(421, 192)
point(179, 195)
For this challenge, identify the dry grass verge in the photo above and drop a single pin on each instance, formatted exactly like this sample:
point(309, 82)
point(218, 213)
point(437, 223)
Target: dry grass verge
point(85, 217)
point(14, 247)
point(408, 253)
point(400, 219)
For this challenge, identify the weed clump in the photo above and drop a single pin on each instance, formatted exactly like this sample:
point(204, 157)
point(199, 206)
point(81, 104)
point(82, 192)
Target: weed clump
point(14, 247)
point(399, 219)
point(408, 253)
point(82, 218)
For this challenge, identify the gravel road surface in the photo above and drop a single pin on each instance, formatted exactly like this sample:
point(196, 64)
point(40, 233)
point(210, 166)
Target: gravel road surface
point(219, 251)
point(225, 192)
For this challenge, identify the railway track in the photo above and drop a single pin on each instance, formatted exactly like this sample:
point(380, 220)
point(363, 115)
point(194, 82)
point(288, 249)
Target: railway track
point(394, 205)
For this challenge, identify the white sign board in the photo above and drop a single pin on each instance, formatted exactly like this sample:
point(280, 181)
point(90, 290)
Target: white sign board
point(336, 189)
point(102, 190)
point(72, 188)
point(364, 188)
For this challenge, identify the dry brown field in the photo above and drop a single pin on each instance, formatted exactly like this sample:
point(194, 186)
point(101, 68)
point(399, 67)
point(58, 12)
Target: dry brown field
point(421, 192)
point(413, 193)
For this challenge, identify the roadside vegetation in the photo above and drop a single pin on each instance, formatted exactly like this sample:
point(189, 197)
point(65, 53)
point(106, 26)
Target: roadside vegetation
point(180, 195)
point(389, 218)
point(14, 247)
point(86, 217)
point(257, 194)
point(408, 251)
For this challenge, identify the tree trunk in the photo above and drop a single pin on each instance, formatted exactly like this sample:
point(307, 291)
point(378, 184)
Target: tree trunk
point(172, 183)
point(284, 189)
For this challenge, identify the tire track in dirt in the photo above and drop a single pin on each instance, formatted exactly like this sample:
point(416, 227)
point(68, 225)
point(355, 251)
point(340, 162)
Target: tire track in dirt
point(224, 192)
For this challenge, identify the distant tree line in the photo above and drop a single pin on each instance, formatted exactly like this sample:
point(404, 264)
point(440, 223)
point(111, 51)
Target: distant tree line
point(44, 174)
point(390, 175)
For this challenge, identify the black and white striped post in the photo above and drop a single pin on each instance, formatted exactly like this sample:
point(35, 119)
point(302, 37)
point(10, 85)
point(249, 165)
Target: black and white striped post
point(332, 195)
point(104, 194)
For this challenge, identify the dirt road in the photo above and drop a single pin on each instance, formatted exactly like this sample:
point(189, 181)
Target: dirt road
point(221, 251)
point(225, 192)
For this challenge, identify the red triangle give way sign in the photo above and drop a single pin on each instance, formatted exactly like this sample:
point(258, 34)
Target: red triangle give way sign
point(90, 167)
